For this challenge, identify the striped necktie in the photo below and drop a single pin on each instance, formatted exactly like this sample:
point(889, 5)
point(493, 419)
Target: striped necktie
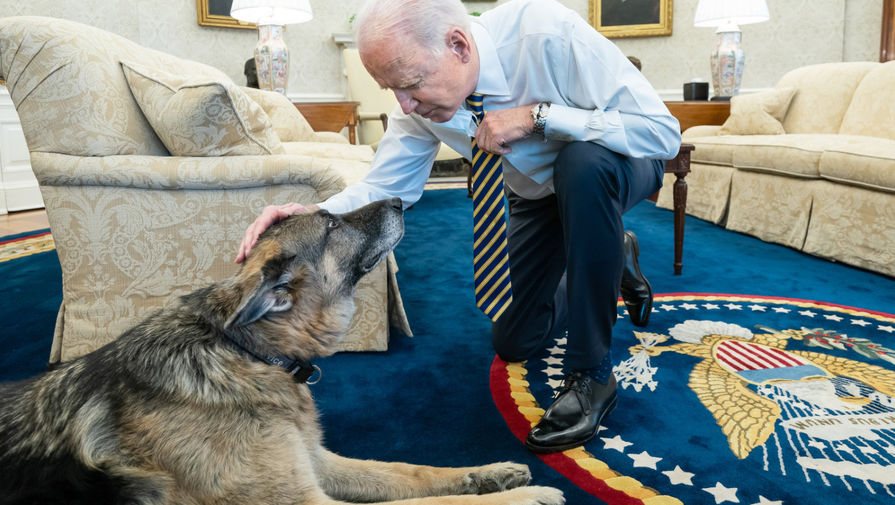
point(490, 258)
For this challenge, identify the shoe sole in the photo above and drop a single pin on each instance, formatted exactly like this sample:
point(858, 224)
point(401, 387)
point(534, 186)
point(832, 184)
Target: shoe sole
point(543, 449)
point(649, 306)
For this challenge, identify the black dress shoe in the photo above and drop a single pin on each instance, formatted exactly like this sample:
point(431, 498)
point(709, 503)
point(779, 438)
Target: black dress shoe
point(635, 289)
point(575, 415)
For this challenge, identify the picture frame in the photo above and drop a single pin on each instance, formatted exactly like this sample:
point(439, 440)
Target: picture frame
point(631, 18)
point(217, 13)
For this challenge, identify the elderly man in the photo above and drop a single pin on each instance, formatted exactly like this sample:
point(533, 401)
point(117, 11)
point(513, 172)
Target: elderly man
point(554, 116)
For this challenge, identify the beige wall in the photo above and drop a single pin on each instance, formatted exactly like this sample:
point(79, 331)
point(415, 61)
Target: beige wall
point(800, 32)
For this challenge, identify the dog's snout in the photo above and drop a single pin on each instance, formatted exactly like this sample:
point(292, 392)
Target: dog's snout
point(396, 203)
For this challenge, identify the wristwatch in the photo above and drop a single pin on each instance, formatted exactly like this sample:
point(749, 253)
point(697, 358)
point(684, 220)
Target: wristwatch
point(539, 115)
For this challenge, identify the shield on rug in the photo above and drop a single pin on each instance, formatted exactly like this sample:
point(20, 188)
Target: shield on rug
point(731, 399)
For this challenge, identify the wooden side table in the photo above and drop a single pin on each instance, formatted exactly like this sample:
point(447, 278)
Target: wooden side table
point(697, 112)
point(331, 116)
point(688, 113)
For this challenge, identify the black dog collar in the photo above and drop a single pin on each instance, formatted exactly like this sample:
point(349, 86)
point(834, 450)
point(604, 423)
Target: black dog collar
point(300, 369)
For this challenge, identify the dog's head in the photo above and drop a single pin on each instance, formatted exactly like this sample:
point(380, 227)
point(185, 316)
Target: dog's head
point(294, 294)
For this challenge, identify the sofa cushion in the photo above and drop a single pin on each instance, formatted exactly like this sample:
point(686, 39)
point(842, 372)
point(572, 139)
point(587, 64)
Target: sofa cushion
point(288, 123)
point(872, 109)
point(867, 162)
point(758, 113)
point(796, 155)
point(201, 116)
point(713, 150)
point(824, 93)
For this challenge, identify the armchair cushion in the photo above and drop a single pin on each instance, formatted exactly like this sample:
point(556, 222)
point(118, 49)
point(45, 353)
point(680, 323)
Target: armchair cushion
point(758, 113)
point(201, 116)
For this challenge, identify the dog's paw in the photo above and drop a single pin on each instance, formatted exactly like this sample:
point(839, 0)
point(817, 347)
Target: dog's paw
point(496, 477)
point(534, 495)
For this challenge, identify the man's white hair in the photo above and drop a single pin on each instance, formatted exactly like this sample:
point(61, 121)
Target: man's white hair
point(426, 22)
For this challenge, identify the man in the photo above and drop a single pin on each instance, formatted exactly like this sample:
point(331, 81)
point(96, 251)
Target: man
point(580, 134)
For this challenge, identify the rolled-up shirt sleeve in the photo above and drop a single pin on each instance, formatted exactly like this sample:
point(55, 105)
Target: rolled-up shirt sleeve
point(400, 167)
point(610, 102)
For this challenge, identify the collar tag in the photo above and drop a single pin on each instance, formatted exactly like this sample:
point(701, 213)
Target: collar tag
point(302, 372)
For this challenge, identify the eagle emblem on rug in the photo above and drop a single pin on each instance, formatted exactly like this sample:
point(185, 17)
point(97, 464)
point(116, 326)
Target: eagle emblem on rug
point(759, 400)
point(820, 389)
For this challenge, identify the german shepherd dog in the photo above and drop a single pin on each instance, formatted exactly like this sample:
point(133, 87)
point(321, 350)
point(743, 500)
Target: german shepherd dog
point(205, 402)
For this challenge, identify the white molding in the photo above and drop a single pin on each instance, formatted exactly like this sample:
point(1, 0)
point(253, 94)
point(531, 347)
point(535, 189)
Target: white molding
point(343, 40)
point(18, 186)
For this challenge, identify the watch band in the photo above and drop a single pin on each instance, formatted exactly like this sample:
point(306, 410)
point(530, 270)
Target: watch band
point(539, 115)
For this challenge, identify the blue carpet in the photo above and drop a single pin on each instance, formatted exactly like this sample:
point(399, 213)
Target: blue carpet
point(427, 400)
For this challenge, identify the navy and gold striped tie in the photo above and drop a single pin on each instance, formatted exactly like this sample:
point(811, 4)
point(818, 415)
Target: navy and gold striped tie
point(493, 293)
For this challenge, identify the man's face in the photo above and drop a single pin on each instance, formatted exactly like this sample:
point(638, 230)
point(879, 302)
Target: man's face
point(433, 87)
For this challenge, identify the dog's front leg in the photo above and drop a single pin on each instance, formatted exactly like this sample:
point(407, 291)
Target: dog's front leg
point(369, 481)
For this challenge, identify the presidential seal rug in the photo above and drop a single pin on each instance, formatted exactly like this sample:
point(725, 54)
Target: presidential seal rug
point(731, 399)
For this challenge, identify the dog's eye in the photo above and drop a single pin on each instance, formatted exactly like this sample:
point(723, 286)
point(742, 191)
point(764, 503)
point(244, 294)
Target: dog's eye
point(332, 224)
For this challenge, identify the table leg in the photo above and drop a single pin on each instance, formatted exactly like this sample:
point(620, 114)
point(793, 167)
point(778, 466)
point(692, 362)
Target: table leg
point(680, 213)
point(680, 167)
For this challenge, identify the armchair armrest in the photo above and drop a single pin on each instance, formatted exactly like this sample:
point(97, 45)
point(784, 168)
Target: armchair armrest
point(189, 173)
point(704, 130)
point(330, 138)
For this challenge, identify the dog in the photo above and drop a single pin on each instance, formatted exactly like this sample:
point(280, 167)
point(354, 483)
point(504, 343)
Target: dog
point(206, 402)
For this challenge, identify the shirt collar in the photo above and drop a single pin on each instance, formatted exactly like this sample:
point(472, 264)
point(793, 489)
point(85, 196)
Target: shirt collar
point(492, 80)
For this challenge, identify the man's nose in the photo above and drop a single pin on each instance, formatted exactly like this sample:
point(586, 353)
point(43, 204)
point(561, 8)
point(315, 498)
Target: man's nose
point(407, 102)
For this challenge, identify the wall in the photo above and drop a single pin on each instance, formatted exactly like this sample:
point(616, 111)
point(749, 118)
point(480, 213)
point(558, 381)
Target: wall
point(800, 32)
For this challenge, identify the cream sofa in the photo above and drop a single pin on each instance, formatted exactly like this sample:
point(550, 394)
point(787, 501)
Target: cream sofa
point(136, 226)
point(825, 184)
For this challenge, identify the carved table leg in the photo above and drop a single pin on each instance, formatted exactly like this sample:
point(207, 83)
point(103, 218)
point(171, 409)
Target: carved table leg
point(680, 167)
point(680, 213)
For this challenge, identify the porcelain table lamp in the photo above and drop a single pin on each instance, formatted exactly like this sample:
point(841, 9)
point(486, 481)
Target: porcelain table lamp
point(728, 59)
point(271, 54)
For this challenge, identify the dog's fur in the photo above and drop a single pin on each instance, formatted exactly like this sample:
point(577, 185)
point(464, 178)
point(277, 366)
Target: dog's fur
point(172, 413)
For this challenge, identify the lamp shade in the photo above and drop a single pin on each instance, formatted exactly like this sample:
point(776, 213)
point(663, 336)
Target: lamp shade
point(711, 13)
point(276, 12)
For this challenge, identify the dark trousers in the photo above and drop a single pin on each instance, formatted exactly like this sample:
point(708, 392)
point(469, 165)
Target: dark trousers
point(577, 231)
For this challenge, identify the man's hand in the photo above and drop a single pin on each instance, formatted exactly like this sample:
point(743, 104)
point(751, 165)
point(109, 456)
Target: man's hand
point(500, 128)
point(270, 215)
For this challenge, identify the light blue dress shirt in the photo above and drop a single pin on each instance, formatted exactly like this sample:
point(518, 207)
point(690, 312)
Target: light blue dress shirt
point(530, 51)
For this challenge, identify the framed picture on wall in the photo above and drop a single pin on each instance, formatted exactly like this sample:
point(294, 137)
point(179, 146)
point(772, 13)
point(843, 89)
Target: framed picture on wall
point(631, 18)
point(217, 13)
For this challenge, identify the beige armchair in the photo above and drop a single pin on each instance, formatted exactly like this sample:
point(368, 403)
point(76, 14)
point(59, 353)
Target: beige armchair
point(150, 177)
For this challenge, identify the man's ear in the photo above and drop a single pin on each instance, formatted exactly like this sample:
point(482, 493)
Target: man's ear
point(458, 43)
point(259, 299)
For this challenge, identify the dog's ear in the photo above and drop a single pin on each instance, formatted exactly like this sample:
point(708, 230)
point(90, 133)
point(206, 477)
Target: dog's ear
point(273, 295)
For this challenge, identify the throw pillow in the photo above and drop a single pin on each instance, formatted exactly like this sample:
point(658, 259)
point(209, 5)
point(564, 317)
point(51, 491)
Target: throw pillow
point(758, 113)
point(201, 116)
point(288, 123)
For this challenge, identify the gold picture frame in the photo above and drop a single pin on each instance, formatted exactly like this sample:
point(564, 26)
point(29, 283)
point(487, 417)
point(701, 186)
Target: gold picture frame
point(631, 18)
point(217, 13)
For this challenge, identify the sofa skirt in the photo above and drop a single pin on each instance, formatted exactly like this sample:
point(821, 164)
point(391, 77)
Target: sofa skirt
point(853, 225)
